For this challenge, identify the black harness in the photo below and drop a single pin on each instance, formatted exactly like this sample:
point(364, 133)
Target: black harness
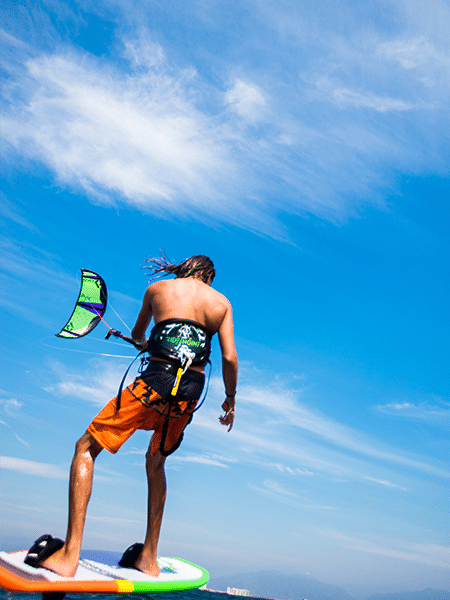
point(183, 342)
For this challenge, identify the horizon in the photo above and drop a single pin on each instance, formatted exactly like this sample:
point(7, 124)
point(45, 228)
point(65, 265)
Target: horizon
point(302, 147)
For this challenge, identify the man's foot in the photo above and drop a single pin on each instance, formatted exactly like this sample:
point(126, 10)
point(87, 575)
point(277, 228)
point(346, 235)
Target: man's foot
point(61, 563)
point(148, 567)
point(134, 558)
point(49, 552)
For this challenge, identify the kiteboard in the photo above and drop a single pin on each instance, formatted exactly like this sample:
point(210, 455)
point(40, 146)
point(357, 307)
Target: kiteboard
point(98, 578)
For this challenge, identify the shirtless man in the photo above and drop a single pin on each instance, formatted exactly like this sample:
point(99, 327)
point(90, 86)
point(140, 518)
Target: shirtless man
point(186, 313)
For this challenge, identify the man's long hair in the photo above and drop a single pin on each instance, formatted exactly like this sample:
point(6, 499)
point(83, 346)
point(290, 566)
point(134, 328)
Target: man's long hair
point(196, 266)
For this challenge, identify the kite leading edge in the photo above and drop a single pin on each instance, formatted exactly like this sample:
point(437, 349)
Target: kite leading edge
point(89, 308)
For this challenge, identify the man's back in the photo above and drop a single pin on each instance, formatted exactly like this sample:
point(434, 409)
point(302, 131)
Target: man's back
point(190, 298)
point(187, 298)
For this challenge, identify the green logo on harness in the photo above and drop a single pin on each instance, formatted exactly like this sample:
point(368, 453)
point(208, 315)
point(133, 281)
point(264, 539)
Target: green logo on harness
point(178, 340)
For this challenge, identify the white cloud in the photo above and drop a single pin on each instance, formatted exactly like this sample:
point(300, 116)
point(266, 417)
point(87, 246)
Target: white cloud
point(200, 459)
point(344, 96)
point(274, 486)
point(134, 137)
point(102, 377)
point(438, 413)
point(387, 483)
point(14, 213)
point(412, 53)
point(431, 554)
point(303, 437)
point(10, 403)
point(113, 520)
point(246, 99)
point(290, 412)
point(30, 467)
point(289, 470)
point(142, 51)
point(274, 490)
point(158, 136)
point(19, 439)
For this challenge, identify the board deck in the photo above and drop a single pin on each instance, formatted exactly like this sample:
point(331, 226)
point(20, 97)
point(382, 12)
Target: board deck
point(94, 577)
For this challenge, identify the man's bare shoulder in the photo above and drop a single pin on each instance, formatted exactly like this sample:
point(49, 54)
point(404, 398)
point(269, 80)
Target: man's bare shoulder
point(219, 296)
point(155, 285)
point(158, 287)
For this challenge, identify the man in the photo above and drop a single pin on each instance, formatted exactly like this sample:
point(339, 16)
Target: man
point(187, 312)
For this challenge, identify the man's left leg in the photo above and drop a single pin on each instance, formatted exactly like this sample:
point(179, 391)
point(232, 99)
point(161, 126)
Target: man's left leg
point(147, 560)
point(65, 561)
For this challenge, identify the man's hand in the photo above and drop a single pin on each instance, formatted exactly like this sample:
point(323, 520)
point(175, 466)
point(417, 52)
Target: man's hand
point(140, 344)
point(228, 417)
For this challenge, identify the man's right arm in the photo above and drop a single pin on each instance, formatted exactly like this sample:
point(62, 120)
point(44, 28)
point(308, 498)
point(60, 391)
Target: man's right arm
point(229, 366)
point(143, 320)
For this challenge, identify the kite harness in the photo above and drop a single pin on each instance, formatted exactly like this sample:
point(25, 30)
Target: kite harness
point(181, 342)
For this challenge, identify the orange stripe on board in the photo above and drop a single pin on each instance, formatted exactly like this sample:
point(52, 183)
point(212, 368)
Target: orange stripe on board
point(15, 583)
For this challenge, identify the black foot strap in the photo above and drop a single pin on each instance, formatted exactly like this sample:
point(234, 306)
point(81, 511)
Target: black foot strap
point(42, 548)
point(130, 556)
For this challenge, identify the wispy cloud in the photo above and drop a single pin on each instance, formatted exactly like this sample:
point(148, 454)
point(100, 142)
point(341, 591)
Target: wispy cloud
point(12, 213)
point(24, 266)
point(290, 412)
point(18, 438)
point(10, 404)
point(415, 53)
point(432, 554)
point(275, 490)
point(347, 97)
point(200, 459)
point(246, 99)
point(289, 470)
point(250, 142)
point(308, 443)
point(51, 471)
point(102, 377)
point(438, 413)
point(135, 137)
point(274, 486)
point(386, 483)
point(113, 520)
point(30, 467)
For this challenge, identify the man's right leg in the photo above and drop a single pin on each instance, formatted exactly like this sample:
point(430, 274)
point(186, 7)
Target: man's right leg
point(147, 560)
point(65, 561)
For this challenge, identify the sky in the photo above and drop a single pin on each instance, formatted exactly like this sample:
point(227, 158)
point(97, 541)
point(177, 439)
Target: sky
point(303, 147)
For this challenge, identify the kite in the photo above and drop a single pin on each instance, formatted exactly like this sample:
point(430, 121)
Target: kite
point(89, 308)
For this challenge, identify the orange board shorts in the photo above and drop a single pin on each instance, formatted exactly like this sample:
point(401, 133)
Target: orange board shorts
point(142, 407)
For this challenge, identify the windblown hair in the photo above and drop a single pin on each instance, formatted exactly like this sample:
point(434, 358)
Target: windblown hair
point(196, 266)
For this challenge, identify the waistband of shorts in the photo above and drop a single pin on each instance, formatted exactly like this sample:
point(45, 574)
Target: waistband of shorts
point(166, 367)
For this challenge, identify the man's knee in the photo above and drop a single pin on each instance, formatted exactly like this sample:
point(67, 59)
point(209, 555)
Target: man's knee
point(88, 444)
point(154, 462)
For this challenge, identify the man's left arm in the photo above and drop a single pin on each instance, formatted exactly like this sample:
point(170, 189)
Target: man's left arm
point(143, 320)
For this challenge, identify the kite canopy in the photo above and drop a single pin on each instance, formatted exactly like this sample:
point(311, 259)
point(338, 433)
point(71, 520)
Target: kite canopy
point(90, 306)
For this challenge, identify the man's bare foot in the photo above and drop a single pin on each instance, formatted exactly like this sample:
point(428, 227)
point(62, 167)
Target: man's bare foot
point(149, 567)
point(61, 563)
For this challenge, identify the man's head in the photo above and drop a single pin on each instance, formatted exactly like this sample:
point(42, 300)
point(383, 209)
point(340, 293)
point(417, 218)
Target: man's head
point(198, 266)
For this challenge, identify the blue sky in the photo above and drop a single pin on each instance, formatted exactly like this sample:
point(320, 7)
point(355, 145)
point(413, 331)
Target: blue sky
point(304, 147)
